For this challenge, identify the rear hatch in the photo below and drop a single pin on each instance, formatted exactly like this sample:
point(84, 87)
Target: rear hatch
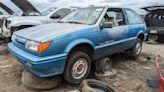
point(155, 16)
point(25, 6)
point(7, 9)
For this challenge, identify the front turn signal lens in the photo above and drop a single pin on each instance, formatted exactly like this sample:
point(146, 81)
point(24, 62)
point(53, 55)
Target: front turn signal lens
point(43, 46)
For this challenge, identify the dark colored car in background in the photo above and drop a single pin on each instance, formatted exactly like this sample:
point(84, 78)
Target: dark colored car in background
point(155, 23)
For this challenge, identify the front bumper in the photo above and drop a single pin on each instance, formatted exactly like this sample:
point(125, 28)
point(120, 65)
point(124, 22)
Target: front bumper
point(40, 66)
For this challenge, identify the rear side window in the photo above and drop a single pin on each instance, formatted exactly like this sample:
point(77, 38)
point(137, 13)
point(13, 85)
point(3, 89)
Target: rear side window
point(133, 18)
point(156, 16)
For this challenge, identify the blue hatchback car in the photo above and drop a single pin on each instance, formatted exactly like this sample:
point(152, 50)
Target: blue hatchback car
point(85, 35)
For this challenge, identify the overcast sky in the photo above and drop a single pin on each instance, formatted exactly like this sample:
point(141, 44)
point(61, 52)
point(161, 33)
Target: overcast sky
point(43, 4)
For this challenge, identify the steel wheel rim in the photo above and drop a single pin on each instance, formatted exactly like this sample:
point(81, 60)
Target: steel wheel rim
point(80, 68)
point(138, 48)
point(106, 64)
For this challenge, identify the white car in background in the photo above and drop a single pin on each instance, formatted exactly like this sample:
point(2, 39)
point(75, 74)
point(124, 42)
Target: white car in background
point(7, 10)
point(13, 24)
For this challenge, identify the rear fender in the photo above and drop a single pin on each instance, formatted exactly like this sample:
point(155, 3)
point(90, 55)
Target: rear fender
point(144, 33)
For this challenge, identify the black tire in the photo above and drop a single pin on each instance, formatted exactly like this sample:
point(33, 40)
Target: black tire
point(34, 82)
point(91, 85)
point(71, 63)
point(153, 37)
point(133, 52)
point(103, 65)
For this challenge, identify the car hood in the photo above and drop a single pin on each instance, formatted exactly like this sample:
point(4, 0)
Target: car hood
point(25, 17)
point(42, 32)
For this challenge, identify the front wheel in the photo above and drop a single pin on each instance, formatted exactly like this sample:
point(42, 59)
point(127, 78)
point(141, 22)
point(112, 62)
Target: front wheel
point(77, 68)
point(136, 50)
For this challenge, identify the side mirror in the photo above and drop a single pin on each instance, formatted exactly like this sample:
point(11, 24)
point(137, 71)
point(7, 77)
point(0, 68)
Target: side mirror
point(55, 16)
point(106, 25)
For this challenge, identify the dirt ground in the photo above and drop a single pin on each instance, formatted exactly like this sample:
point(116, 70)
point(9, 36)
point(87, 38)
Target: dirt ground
point(131, 75)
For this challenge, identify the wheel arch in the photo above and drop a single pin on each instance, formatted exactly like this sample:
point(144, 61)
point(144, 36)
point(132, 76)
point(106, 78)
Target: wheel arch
point(82, 45)
point(141, 36)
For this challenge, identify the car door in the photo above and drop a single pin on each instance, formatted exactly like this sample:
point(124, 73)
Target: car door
point(135, 25)
point(112, 37)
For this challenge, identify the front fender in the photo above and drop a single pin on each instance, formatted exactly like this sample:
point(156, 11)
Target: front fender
point(17, 23)
point(74, 43)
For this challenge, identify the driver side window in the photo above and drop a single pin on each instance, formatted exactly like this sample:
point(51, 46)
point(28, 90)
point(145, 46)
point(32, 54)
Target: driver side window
point(115, 16)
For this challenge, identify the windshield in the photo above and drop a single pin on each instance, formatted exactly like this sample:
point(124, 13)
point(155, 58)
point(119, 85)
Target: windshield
point(46, 12)
point(83, 16)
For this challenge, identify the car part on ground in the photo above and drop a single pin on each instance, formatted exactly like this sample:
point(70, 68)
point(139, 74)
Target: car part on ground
point(32, 81)
point(103, 65)
point(74, 91)
point(153, 82)
point(91, 85)
point(106, 76)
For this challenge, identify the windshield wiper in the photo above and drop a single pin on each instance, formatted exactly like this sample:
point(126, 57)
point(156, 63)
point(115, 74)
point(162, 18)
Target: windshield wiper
point(76, 22)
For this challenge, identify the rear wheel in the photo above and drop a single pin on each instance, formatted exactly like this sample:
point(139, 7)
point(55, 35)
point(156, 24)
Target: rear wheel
point(152, 37)
point(78, 67)
point(136, 50)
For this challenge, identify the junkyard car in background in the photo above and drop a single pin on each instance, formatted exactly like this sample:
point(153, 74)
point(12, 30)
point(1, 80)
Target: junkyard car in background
point(8, 10)
point(85, 35)
point(27, 10)
point(13, 24)
point(155, 23)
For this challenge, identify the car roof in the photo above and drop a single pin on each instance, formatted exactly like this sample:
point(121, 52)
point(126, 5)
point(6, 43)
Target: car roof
point(102, 6)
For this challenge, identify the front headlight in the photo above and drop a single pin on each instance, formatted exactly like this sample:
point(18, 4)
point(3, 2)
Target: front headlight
point(37, 47)
point(8, 23)
point(31, 45)
point(13, 38)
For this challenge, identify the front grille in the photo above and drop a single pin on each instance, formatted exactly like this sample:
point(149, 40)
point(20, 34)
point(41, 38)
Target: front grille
point(20, 42)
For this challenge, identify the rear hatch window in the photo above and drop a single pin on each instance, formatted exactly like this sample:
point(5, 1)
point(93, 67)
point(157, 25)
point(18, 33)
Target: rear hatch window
point(155, 19)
